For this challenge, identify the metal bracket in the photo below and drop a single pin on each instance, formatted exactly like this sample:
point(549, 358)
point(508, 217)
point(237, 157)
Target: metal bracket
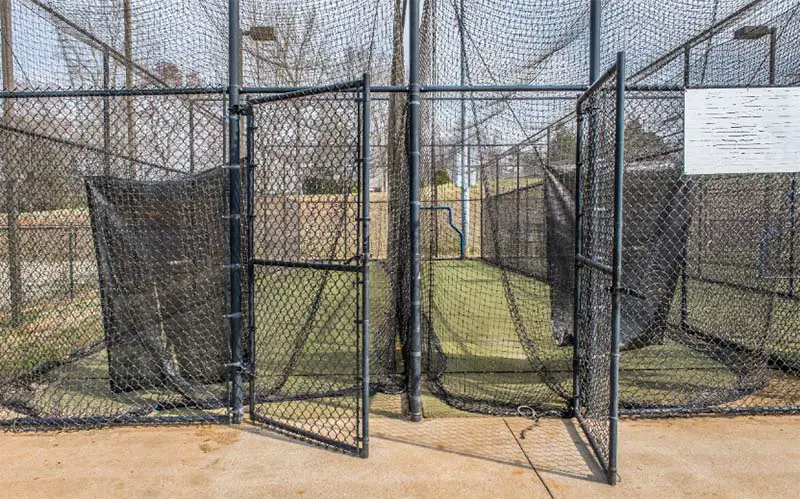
point(241, 109)
point(240, 367)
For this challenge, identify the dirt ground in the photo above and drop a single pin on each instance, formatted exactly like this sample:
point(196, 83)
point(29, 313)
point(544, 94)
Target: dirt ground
point(441, 458)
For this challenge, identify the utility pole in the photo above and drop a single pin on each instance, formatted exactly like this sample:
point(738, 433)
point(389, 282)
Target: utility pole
point(12, 210)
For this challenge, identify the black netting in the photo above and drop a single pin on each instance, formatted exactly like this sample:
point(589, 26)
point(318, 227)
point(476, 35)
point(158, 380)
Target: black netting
point(113, 289)
point(499, 320)
point(656, 223)
point(68, 44)
point(724, 338)
point(159, 246)
point(123, 324)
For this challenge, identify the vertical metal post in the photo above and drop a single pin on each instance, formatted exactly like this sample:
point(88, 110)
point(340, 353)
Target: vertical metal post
point(465, 164)
point(365, 259)
point(106, 113)
point(595, 20)
point(191, 135)
point(71, 262)
point(577, 290)
point(234, 213)
point(616, 278)
point(687, 50)
point(773, 38)
point(249, 249)
point(11, 166)
point(415, 367)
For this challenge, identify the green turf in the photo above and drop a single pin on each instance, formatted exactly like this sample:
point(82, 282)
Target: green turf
point(307, 342)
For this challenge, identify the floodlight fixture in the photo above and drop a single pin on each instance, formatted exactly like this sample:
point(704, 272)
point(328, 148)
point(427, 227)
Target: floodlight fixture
point(752, 32)
point(261, 33)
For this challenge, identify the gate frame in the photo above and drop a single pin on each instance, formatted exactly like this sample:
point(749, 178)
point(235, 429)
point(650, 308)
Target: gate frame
point(363, 88)
point(615, 270)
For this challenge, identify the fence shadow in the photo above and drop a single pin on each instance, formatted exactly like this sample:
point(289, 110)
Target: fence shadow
point(557, 447)
point(552, 446)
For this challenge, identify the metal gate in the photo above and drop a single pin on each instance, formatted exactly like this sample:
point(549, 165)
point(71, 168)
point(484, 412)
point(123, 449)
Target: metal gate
point(598, 261)
point(307, 185)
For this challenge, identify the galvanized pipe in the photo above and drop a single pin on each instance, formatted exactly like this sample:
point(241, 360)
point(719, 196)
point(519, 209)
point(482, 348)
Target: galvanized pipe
point(415, 362)
point(234, 213)
point(616, 278)
point(365, 259)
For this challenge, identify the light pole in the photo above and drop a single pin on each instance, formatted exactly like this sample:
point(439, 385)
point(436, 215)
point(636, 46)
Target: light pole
point(257, 34)
point(756, 33)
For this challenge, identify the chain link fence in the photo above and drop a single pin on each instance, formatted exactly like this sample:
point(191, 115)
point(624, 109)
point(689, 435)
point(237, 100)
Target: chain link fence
point(136, 346)
point(308, 267)
point(112, 237)
point(714, 258)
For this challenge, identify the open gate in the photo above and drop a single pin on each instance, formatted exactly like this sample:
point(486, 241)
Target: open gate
point(598, 261)
point(307, 185)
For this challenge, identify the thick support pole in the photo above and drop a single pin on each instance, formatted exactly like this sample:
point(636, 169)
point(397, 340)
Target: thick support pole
point(234, 213)
point(10, 162)
point(365, 259)
point(465, 165)
point(415, 362)
point(595, 16)
point(616, 278)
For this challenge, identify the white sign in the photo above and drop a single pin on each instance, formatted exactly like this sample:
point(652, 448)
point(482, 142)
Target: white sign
point(742, 130)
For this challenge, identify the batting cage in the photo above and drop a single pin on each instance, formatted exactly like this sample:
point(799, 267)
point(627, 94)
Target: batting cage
point(301, 213)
